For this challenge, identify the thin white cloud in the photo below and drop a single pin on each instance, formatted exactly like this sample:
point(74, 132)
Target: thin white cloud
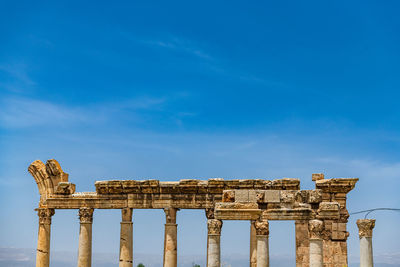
point(181, 44)
point(25, 112)
point(18, 79)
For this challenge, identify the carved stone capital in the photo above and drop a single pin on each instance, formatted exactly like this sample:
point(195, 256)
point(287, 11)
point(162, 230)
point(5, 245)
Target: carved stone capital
point(365, 227)
point(316, 227)
point(86, 215)
point(170, 215)
point(214, 226)
point(45, 215)
point(210, 213)
point(262, 227)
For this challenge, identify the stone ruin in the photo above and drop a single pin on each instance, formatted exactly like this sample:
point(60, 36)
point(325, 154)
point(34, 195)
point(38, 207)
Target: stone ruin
point(320, 215)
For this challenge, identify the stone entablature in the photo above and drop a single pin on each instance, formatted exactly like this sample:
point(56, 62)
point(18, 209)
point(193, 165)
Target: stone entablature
point(256, 200)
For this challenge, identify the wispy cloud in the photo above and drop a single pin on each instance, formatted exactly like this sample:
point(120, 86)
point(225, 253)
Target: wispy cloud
point(19, 112)
point(210, 61)
point(17, 78)
point(183, 45)
point(23, 112)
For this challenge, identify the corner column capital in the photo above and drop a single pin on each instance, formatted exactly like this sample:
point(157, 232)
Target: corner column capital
point(262, 227)
point(214, 226)
point(316, 228)
point(86, 215)
point(45, 215)
point(365, 227)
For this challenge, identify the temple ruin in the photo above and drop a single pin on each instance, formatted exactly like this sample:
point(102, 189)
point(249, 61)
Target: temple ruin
point(320, 214)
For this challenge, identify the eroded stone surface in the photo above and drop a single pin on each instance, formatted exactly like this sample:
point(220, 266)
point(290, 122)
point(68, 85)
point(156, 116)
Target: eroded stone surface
point(257, 200)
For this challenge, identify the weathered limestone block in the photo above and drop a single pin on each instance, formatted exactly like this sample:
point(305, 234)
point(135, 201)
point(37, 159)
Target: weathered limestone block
point(314, 196)
point(287, 196)
point(317, 176)
point(65, 188)
point(237, 211)
point(302, 243)
point(272, 196)
point(228, 196)
point(241, 195)
point(328, 210)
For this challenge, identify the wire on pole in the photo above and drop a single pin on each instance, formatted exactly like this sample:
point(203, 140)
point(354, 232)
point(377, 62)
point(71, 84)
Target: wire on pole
point(371, 210)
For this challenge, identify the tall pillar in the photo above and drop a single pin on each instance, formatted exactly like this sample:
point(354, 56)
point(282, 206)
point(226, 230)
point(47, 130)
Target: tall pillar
point(253, 245)
point(365, 227)
point(85, 237)
point(126, 240)
point(315, 228)
point(214, 243)
point(262, 234)
point(170, 238)
point(302, 243)
point(43, 246)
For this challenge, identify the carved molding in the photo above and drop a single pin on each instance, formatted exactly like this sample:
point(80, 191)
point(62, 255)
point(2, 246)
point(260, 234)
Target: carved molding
point(365, 227)
point(214, 226)
point(316, 228)
point(262, 227)
point(45, 215)
point(209, 213)
point(48, 176)
point(86, 215)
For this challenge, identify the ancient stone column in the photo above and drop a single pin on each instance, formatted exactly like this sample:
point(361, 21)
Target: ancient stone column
point(85, 237)
point(214, 242)
point(253, 245)
point(43, 247)
point(262, 233)
point(365, 227)
point(126, 240)
point(170, 238)
point(315, 228)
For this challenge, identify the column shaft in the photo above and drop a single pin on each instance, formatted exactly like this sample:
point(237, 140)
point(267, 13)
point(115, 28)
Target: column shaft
point(315, 228)
point(126, 239)
point(214, 243)
point(253, 245)
point(170, 245)
point(170, 238)
point(85, 238)
point(262, 251)
point(365, 227)
point(316, 253)
point(262, 233)
point(43, 246)
point(213, 251)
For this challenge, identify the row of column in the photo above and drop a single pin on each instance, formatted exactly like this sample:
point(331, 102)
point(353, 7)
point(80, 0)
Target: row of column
point(259, 245)
point(85, 238)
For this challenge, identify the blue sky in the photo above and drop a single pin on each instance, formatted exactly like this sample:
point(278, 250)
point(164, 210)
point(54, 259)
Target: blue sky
point(171, 90)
